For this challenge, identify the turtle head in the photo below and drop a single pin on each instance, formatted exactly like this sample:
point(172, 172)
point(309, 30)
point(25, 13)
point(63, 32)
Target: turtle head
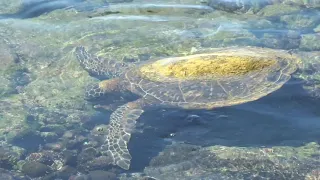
point(109, 92)
point(103, 88)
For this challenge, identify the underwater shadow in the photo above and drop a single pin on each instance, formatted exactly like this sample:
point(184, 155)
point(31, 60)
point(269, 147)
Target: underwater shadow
point(286, 117)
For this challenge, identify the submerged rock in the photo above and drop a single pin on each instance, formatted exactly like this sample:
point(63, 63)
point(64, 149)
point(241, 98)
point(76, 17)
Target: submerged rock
point(7, 68)
point(305, 3)
point(66, 172)
point(10, 175)
point(310, 42)
point(8, 7)
point(8, 157)
point(35, 169)
point(239, 5)
point(253, 6)
point(303, 22)
point(317, 29)
point(309, 72)
point(281, 40)
point(154, 9)
point(101, 175)
point(35, 8)
point(276, 10)
point(313, 175)
point(219, 162)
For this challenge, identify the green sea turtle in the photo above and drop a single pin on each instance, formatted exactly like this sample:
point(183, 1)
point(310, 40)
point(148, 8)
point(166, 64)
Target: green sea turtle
point(222, 77)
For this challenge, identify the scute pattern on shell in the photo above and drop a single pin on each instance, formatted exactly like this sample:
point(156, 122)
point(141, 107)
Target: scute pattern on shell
point(218, 92)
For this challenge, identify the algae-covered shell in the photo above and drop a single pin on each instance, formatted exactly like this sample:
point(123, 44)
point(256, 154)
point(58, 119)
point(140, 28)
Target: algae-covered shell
point(218, 78)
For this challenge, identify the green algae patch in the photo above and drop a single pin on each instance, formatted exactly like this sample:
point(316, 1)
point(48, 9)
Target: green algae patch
point(317, 29)
point(300, 21)
point(273, 160)
point(278, 10)
point(284, 155)
point(12, 119)
point(205, 66)
point(310, 42)
point(227, 37)
point(310, 72)
point(10, 7)
point(308, 150)
point(225, 162)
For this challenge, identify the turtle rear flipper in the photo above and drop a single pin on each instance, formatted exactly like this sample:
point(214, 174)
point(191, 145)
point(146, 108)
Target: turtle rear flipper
point(122, 123)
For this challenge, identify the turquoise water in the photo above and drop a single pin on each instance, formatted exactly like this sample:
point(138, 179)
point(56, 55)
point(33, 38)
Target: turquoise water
point(50, 129)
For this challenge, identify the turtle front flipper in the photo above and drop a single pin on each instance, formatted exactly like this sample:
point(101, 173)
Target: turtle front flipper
point(101, 68)
point(118, 132)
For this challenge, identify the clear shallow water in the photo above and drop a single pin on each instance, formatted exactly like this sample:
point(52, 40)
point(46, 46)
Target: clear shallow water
point(46, 123)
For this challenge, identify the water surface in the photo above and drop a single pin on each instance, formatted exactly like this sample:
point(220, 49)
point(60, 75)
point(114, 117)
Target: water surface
point(46, 122)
